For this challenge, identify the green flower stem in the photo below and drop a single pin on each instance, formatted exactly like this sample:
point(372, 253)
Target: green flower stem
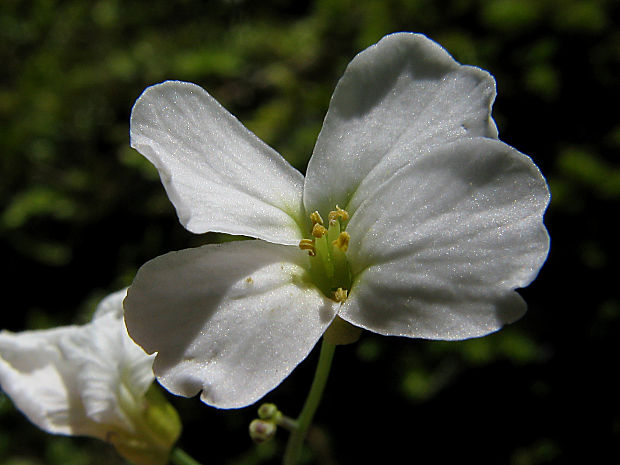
point(287, 423)
point(296, 439)
point(180, 457)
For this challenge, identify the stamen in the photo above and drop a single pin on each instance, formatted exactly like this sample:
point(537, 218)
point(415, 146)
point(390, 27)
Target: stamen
point(343, 241)
point(319, 230)
point(340, 294)
point(339, 213)
point(308, 244)
point(328, 244)
point(316, 218)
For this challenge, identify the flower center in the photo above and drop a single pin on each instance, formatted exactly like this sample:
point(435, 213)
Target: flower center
point(327, 249)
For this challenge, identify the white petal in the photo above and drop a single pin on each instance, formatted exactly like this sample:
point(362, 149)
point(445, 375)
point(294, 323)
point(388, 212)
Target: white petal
point(111, 305)
point(111, 348)
point(232, 320)
point(438, 252)
point(219, 175)
point(395, 99)
point(42, 382)
point(113, 372)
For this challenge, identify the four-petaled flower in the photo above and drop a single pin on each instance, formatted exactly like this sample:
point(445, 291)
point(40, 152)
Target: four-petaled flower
point(413, 220)
point(91, 380)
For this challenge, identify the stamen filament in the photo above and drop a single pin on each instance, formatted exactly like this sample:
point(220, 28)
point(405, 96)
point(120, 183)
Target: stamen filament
point(324, 255)
point(334, 231)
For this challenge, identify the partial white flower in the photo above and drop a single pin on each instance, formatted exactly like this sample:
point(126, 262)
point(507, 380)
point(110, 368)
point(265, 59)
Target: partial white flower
point(90, 380)
point(412, 220)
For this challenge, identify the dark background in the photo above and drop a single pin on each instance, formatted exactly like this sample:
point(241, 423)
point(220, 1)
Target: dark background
point(80, 211)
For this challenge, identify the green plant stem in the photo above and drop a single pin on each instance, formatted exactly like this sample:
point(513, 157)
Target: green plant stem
point(296, 439)
point(180, 457)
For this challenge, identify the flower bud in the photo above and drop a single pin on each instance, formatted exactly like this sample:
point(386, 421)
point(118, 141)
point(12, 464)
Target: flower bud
point(269, 412)
point(262, 430)
point(157, 427)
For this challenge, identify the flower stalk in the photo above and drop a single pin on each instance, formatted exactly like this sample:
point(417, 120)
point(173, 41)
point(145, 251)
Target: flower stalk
point(296, 439)
point(180, 457)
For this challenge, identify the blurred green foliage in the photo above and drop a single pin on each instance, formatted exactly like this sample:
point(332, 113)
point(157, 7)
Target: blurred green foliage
point(80, 211)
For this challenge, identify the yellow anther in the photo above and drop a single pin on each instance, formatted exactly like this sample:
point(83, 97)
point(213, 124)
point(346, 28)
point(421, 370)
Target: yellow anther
point(316, 218)
point(343, 241)
point(340, 295)
point(319, 230)
point(339, 213)
point(308, 244)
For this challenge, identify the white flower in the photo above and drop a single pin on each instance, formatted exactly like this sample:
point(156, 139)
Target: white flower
point(90, 380)
point(435, 223)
